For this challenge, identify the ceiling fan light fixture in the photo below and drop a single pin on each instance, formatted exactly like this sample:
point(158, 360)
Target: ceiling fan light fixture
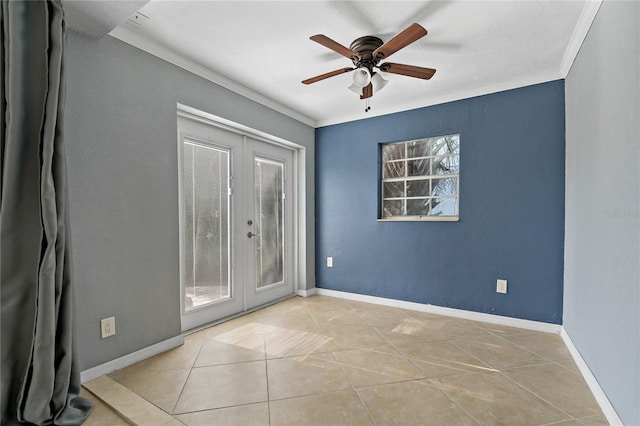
point(378, 82)
point(355, 89)
point(361, 78)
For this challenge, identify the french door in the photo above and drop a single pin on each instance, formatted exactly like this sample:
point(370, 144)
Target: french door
point(236, 222)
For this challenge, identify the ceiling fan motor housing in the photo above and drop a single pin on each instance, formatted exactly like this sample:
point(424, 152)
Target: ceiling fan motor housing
point(364, 46)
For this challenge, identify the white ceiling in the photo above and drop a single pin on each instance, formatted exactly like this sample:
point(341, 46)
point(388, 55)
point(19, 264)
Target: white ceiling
point(262, 50)
point(95, 18)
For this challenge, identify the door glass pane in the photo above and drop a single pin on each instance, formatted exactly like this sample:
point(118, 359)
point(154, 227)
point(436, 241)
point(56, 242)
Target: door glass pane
point(207, 271)
point(269, 187)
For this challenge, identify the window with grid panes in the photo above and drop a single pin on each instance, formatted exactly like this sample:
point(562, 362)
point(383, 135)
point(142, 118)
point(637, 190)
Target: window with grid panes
point(420, 179)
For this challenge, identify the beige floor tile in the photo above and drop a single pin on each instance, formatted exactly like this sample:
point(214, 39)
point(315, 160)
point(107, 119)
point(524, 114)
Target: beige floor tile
point(290, 321)
point(127, 403)
point(249, 324)
point(414, 330)
point(366, 367)
point(214, 352)
point(598, 420)
point(223, 386)
point(412, 403)
point(250, 341)
point(337, 408)
point(569, 365)
point(174, 359)
point(547, 345)
point(346, 336)
point(499, 353)
point(373, 307)
point(196, 335)
point(382, 318)
point(324, 303)
point(571, 422)
point(241, 415)
point(286, 343)
point(491, 398)
point(436, 359)
point(419, 315)
point(293, 304)
point(460, 329)
point(309, 352)
point(102, 414)
point(338, 317)
point(305, 375)
point(161, 388)
point(504, 330)
point(562, 388)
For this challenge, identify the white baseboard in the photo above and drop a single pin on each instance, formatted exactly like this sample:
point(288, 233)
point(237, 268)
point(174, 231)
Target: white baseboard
point(307, 293)
point(451, 312)
point(605, 405)
point(132, 358)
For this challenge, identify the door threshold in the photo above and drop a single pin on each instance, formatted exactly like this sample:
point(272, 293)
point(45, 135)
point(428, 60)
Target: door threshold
point(238, 315)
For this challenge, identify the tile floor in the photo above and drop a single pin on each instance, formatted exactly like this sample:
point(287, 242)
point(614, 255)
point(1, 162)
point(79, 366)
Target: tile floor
point(328, 361)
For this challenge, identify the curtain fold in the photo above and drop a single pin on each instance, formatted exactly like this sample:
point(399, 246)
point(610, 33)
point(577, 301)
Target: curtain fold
point(39, 377)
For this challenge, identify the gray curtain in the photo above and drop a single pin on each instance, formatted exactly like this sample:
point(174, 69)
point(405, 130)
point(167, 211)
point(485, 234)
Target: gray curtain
point(40, 379)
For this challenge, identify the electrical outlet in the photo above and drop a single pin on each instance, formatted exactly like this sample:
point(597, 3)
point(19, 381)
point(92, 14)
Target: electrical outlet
point(329, 262)
point(108, 327)
point(501, 286)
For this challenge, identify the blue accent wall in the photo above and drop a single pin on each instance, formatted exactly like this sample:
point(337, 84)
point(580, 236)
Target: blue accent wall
point(512, 160)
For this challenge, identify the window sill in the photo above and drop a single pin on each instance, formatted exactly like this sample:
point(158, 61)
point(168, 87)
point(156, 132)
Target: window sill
point(420, 219)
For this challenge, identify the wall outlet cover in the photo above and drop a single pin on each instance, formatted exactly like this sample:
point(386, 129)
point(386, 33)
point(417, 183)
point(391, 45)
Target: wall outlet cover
point(107, 327)
point(501, 286)
point(329, 262)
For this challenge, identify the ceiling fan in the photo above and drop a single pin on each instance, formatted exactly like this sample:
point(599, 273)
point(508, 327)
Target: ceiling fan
point(366, 52)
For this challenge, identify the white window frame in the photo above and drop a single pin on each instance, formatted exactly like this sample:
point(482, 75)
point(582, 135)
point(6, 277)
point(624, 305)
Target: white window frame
point(430, 176)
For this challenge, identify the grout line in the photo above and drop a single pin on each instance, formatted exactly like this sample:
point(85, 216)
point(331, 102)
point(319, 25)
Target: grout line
point(173, 409)
point(266, 372)
point(538, 396)
point(195, 359)
point(522, 346)
point(456, 402)
point(453, 342)
point(366, 410)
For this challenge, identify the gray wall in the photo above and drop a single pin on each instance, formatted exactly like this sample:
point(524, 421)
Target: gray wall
point(123, 187)
point(601, 295)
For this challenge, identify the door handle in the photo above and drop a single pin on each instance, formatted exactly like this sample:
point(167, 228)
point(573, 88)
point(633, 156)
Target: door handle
point(251, 234)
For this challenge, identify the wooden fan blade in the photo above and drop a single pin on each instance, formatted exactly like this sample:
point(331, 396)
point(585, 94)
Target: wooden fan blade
point(367, 91)
point(404, 38)
point(334, 45)
point(326, 75)
point(408, 70)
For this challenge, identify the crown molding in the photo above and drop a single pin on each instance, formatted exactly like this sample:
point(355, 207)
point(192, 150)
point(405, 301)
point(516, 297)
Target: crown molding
point(450, 97)
point(580, 31)
point(130, 37)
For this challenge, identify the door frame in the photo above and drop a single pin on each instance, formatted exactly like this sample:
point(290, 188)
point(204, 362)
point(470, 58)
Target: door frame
point(297, 188)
